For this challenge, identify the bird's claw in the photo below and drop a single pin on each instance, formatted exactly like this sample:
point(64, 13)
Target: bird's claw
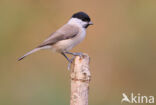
point(74, 55)
point(78, 54)
point(70, 62)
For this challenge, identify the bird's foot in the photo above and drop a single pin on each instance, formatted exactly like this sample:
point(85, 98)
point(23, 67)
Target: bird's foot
point(75, 54)
point(78, 54)
point(70, 62)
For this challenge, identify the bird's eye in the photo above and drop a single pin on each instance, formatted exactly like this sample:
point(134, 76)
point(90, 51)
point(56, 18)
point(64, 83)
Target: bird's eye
point(84, 19)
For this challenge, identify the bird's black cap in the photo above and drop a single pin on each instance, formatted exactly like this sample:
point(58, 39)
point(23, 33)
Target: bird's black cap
point(81, 15)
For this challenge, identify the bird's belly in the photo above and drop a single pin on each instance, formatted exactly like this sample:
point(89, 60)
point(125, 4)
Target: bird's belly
point(66, 45)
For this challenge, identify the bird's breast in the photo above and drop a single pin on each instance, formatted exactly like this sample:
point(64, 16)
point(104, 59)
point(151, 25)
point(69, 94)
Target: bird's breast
point(78, 38)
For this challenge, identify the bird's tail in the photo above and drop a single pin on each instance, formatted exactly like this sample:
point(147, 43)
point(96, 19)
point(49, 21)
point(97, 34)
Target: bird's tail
point(30, 52)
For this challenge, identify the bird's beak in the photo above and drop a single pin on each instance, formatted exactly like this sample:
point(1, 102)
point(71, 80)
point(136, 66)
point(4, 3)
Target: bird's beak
point(90, 23)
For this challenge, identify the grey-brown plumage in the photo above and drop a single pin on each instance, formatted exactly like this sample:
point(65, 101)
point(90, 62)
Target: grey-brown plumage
point(68, 36)
point(64, 33)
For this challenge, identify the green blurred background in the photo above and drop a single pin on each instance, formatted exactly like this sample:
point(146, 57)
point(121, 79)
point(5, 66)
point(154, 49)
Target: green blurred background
point(121, 44)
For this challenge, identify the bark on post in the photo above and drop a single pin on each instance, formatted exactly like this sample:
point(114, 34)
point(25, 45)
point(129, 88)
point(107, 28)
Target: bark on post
point(80, 78)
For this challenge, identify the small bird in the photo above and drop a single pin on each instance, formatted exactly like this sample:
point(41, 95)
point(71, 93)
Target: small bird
point(66, 37)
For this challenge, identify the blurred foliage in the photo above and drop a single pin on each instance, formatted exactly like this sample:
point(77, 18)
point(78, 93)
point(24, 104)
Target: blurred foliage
point(121, 44)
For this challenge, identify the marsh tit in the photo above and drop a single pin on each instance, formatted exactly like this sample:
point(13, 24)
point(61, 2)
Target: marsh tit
point(66, 37)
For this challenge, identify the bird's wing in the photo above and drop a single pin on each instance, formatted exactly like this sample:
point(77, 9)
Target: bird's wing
point(65, 32)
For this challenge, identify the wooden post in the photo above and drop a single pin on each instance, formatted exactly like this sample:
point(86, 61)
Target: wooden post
point(80, 78)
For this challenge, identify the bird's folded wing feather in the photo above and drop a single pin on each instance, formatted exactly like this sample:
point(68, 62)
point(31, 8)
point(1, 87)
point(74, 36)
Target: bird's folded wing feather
point(65, 32)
